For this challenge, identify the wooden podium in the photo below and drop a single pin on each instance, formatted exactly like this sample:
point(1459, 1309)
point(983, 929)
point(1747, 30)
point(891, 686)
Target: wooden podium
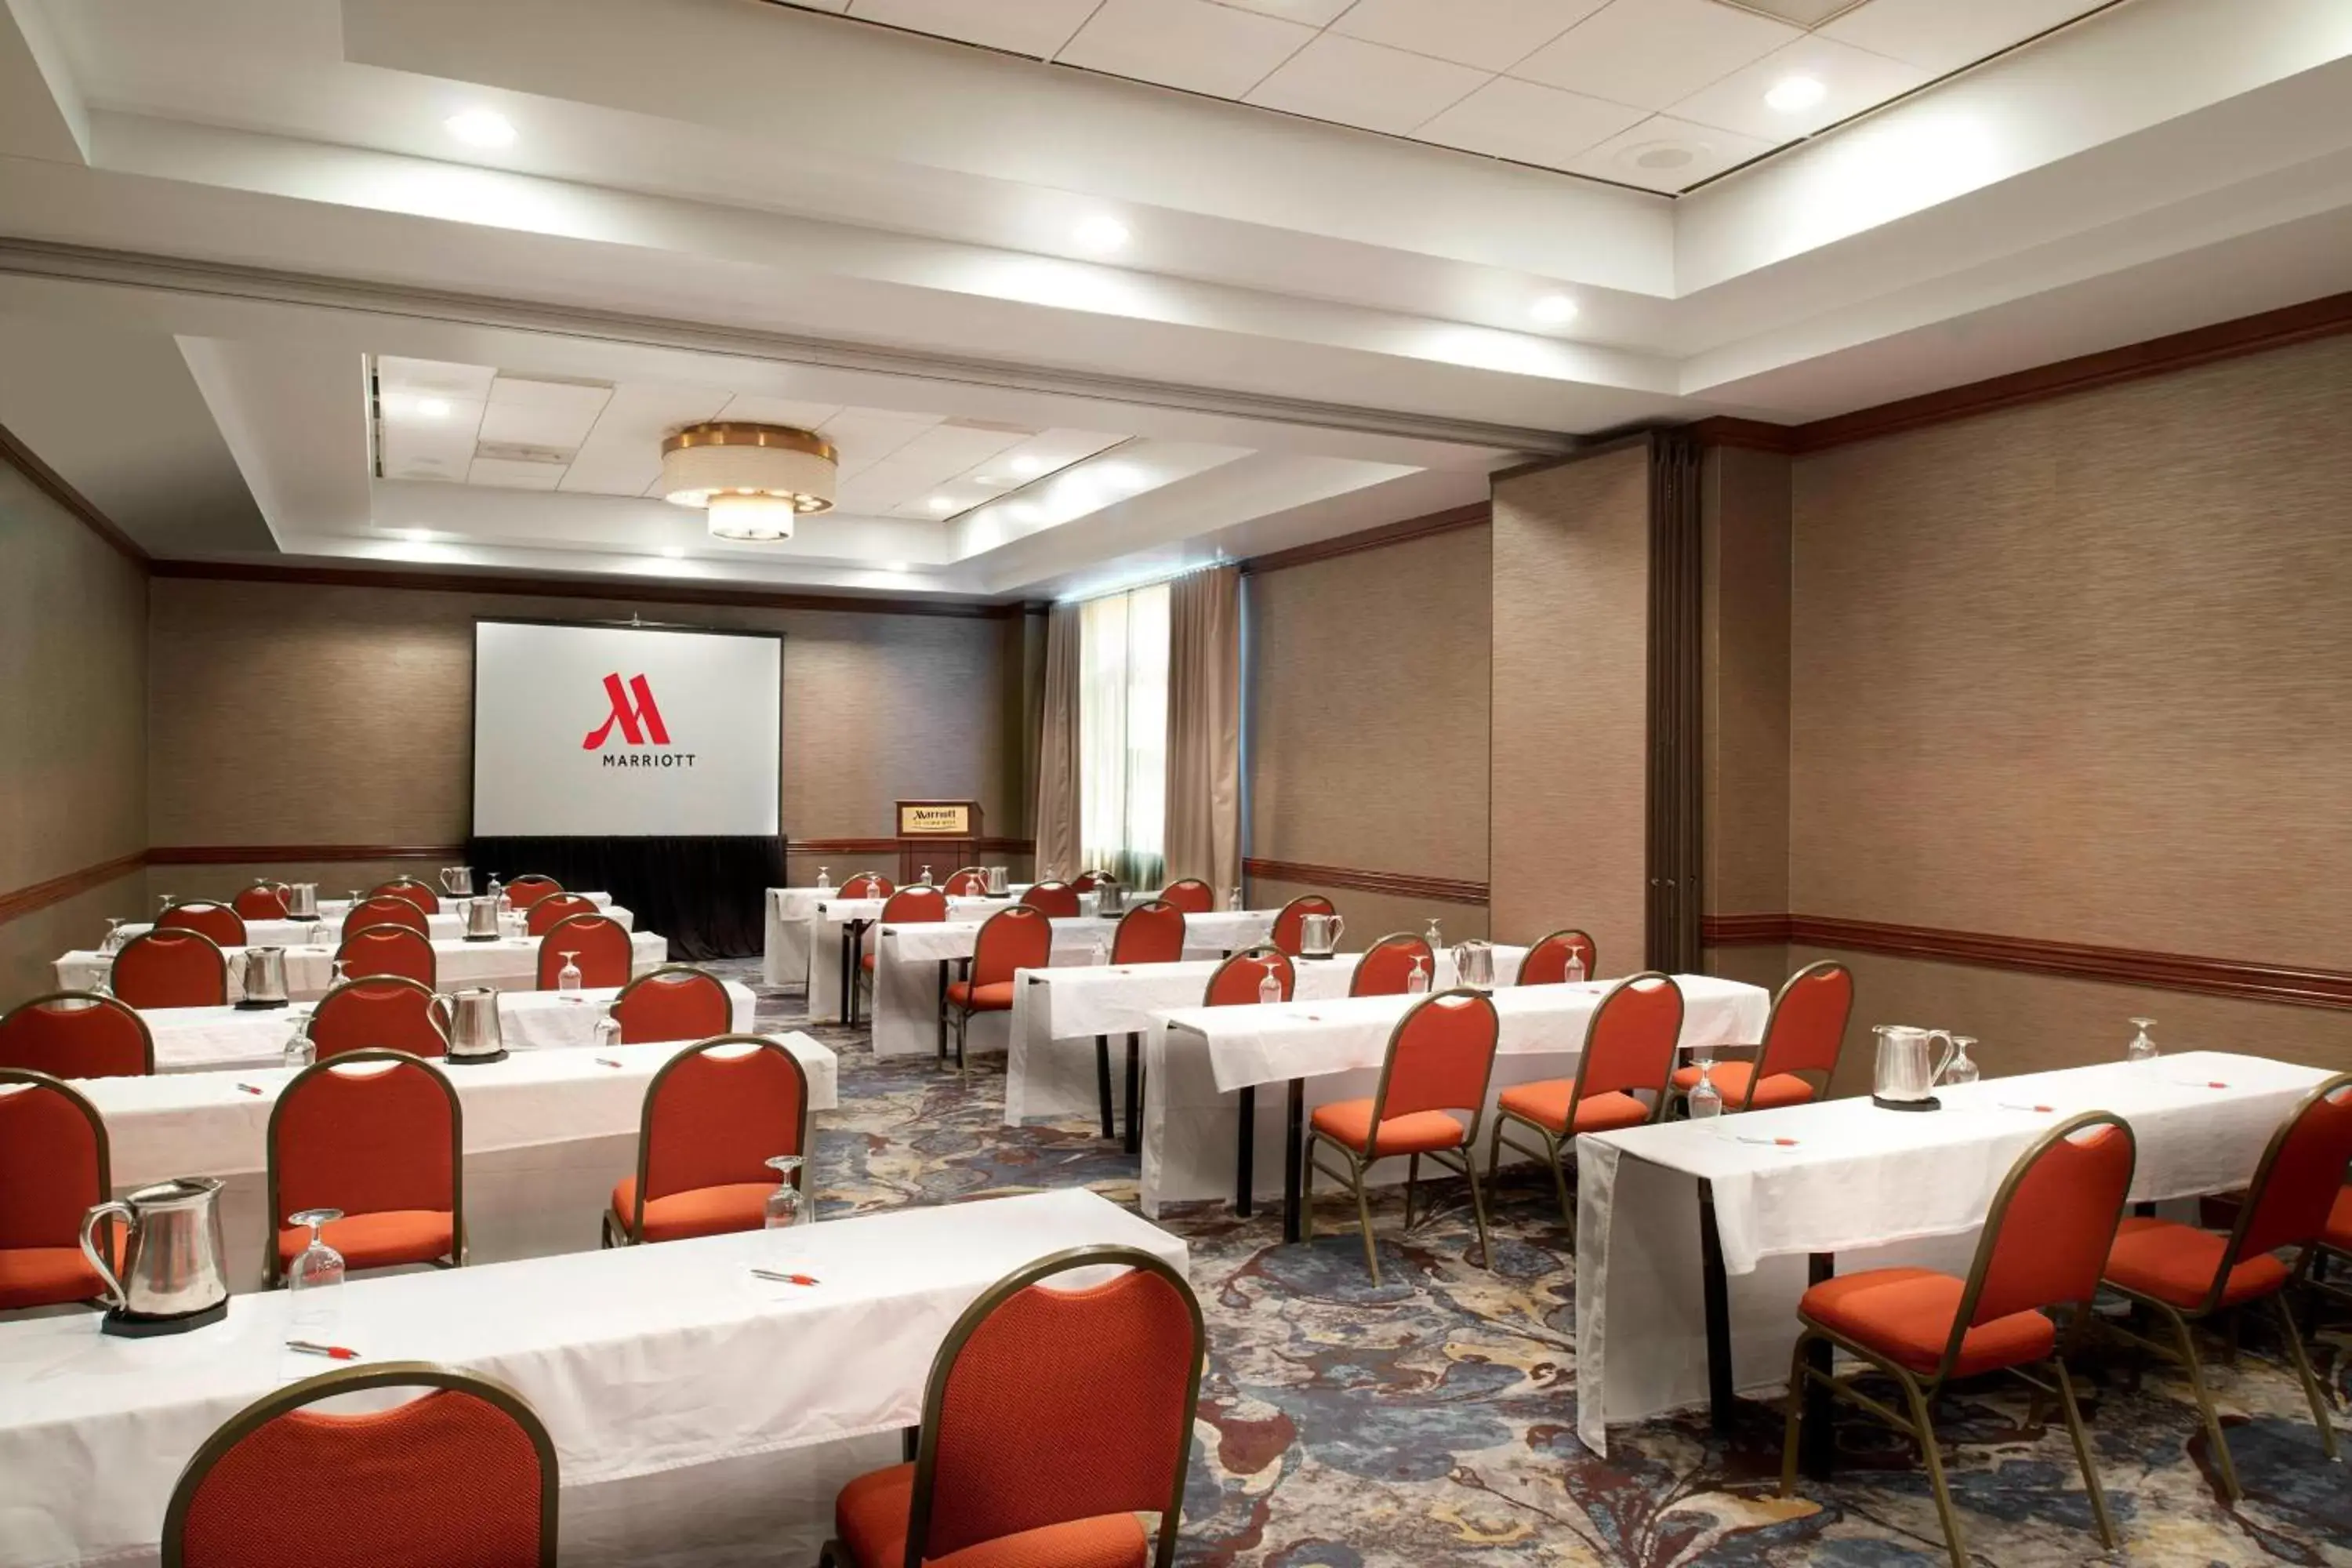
point(944, 834)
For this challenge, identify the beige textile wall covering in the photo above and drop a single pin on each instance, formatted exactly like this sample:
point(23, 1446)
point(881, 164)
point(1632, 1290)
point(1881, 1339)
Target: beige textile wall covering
point(73, 728)
point(1204, 727)
point(1572, 699)
point(1368, 688)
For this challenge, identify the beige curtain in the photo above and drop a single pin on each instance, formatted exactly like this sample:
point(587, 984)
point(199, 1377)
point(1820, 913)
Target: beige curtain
point(1058, 748)
point(1204, 727)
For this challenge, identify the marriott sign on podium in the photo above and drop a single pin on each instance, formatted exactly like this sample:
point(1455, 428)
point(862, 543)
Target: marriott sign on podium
point(619, 731)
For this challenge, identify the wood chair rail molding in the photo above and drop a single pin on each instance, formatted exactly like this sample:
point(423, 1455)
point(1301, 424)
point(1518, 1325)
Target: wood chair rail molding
point(2244, 979)
point(1444, 889)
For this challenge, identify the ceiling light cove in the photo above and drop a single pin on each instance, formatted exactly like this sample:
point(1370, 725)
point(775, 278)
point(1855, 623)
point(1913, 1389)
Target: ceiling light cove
point(1101, 234)
point(753, 480)
point(1553, 310)
point(481, 128)
point(1027, 465)
point(1795, 94)
point(433, 408)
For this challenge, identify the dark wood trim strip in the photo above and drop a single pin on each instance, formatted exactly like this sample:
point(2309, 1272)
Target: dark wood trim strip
point(290, 853)
point(1477, 515)
point(1444, 889)
point(634, 592)
point(21, 902)
point(2245, 979)
point(893, 846)
point(51, 483)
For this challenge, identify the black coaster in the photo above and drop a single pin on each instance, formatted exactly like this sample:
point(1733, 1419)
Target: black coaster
point(472, 937)
point(126, 1324)
point(1930, 1103)
point(498, 1055)
point(1317, 957)
point(249, 1005)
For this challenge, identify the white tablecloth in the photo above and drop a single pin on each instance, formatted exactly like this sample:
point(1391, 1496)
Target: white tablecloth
point(208, 1039)
point(908, 960)
point(443, 927)
point(789, 957)
point(1874, 1188)
point(1190, 1116)
point(547, 1134)
point(1057, 1013)
point(828, 928)
point(668, 1361)
point(509, 965)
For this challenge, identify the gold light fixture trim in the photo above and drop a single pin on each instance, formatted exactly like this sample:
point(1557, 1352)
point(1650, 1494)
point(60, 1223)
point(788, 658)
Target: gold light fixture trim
point(751, 480)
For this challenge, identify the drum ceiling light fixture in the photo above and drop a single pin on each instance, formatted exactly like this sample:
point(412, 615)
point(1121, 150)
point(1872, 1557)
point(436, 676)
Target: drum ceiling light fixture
point(751, 480)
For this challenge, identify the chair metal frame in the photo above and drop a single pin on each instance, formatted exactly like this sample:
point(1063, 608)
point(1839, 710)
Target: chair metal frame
point(1201, 882)
point(863, 977)
point(262, 885)
point(423, 926)
point(1076, 908)
point(41, 1082)
point(171, 933)
point(433, 1000)
point(918, 1518)
point(962, 1015)
point(275, 1274)
point(431, 955)
point(622, 996)
point(355, 1380)
point(395, 888)
point(1102, 1042)
point(1919, 1394)
point(1591, 970)
point(586, 906)
point(948, 887)
point(1397, 939)
point(94, 998)
point(533, 879)
point(636, 1227)
point(549, 935)
point(1760, 1069)
point(1305, 904)
point(163, 920)
point(868, 885)
point(1360, 1160)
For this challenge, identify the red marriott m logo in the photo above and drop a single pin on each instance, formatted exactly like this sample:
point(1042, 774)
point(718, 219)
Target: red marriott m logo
point(634, 711)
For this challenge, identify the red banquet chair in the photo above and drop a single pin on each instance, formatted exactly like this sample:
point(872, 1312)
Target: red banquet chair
point(1629, 1049)
point(1801, 1042)
point(462, 1477)
point(2043, 1238)
point(1056, 900)
point(1388, 963)
point(1151, 932)
point(1087, 881)
point(426, 899)
point(715, 1115)
point(868, 885)
point(1191, 895)
point(77, 1033)
point(530, 888)
point(376, 1135)
point(163, 968)
point(907, 906)
point(218, 922)
point(1240, 981)
point(260, 901)
point(969, 883)
point(1547, 962)
point(606, 954)
point(1441, 1057)
point(383, 910)
point(1013, 939)
point(54, 1166)
point(1290, 920)
point(542, 916)
point(389, 950)
point(1053, 1418)
point(676, 1002)
point(391, 1012)
point(2187, 1276)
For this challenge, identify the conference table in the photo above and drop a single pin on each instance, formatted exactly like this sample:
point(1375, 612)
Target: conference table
point(699, 1415)
point(209, 1039)
point(790, 957)
point(510, 964)
point(1205, 1065)
point(442, 927)
point(1694, 1239)
point(837, 939)
point(547, 1134)
point(915, 960)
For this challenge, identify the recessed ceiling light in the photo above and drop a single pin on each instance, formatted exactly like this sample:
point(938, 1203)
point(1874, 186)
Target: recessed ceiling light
point(433, 408)
point(1795, 94)
point(417, 535)
point(943, 504)
point(1101, 232)
point(481, 128)
point(1659, 157)
point(672, 552)
point(1553, 309)
point(1026, 464)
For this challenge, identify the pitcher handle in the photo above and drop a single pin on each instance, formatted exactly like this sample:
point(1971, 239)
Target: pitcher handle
point(1338, 927)
point(115, 1295)
point(443, 1005)
point(1936, 1075)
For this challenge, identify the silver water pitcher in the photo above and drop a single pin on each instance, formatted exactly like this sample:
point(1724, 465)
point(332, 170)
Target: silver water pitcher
point(1319, 935)
point(1110, 899)
point(301, 900)
point(261, 976)
point(482, 919)
point(1906, 1074)
point(999, 885)
point(1474, 964)
point(174, 1269)
point(458, 881)
point(472, 1033)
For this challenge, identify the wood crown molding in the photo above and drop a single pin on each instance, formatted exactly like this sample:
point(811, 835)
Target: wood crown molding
point(1477, 515)
point(2314, 319)
point(21, 902)
point(2243, 979)
point(893, 846)
point(1444, 889)
point(51, 483)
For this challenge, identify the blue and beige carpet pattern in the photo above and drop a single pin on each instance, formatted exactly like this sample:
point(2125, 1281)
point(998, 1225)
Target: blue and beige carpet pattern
point(1432, 1420)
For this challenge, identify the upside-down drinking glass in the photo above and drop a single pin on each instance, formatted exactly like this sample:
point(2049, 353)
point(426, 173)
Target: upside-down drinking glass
point(315, 1279)
point(1575, 971)
point(567, 979)
point(2142, 1048)
point(787, 1206)
point(300, 1050)
point(825, 879)
point(112, 945)
point(1962, 1068)
point(1705, 1101)
point(1417, 983)
point(1269, 990)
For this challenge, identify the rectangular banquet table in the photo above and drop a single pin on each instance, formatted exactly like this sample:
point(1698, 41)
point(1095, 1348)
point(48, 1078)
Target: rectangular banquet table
point(505, 964)
point(547, 1134)
point(443, 927)
point(914, 962)
point(1692, 1248)
point(1206, 1064)
point(836, 932)
point(788, 958)
point(208, 1039)
point(699, 1415)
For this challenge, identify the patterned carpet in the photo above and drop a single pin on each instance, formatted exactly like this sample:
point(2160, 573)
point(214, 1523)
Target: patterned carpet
point(1432, 1420)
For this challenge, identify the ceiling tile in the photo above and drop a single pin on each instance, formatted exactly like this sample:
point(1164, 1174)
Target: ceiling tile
point(864, 437)
point(1809, 13)
point(1856, 81)
point(1653, 53)
point(1518, 120)
point(1023, 26)
point(507, 474)
point(751, 408)
point(1663, 153)
point(621, 454)
point(1492, 34)
point(1314, 12)
point(550, 414)
point(1191, 44)
point(434, 378)
point(1940, 37)
point(1365, 85)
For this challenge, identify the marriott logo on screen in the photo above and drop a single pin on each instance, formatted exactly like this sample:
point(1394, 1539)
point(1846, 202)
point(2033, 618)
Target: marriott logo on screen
point(638, 718)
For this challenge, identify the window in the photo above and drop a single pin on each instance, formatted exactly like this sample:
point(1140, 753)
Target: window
point(1123, 735)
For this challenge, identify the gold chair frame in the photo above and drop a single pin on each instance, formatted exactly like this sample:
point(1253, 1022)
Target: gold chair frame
point(636, 1227)
point(274, 1272)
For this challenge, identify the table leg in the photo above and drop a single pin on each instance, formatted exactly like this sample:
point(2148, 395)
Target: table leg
point(848, 991)
point(942, 1008)
point(1245, 1157)
point(1134, 1098)
point(1818, 1449)
point(1293, 1154)
point(1102, 1082)
point(910, 1440)
point(1716, 1298)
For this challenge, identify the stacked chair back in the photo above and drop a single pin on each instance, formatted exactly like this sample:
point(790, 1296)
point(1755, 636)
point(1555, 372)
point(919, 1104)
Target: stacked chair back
point(262, 901)
point(1290, 920)
point(383, 910)
point(1547, 962)
point(425, 898)
point(530, 888)
point(606, 954)
point(1236, 984)
point(53, 1168)
point(377, 1134)
point(163, 968)
point(1191, 895)
point(714, 1116)
point(1387, 965)
point(1056, 900)
point(388, 1011)
point(218, 922)
point(389, 950)
point(676, 1002)
point(465, 1474)
point(1151, 932)
point(541, 917)
point(77, 1033)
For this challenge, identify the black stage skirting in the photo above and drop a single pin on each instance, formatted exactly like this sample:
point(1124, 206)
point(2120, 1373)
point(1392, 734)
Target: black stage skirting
point(705, 895)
